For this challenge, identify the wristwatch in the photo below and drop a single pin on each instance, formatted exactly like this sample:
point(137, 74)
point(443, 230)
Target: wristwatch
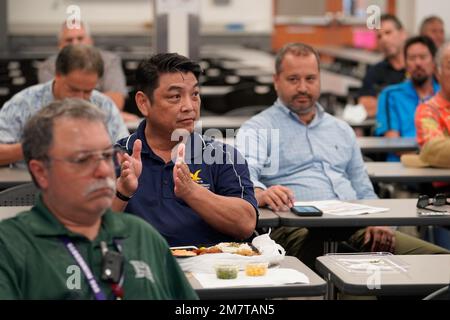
point(122, 197)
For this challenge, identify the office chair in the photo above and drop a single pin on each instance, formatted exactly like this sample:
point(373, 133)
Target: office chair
point(21, 195)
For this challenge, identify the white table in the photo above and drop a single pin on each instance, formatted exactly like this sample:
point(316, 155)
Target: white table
point(222, 122)
point(356, 55)
point(215, 90)
point(397, 172)
point(402, 212)
point(205, 123)
point(267, 218)
point(9, 212)
point(316, 287)
point(385, 145)
point(10, 177)
point(337, 84)
point(421, 275)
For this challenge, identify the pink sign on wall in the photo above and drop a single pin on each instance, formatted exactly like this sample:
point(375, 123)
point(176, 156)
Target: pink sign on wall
point(364, 39)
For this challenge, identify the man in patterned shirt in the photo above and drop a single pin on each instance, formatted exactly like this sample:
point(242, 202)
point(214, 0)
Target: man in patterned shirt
point(432, 122)
point(432, 118)
point(78, 68)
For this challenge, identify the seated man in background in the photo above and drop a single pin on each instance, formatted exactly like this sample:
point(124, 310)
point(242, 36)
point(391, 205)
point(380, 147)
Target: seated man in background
point(112, 83)
point(56, 250)
point(391, 38)
point(397, 103)
point(78, 68)
point(433, 27)
point(206, 196)
point(317, 157)
point(432, 118)
point(432, 121)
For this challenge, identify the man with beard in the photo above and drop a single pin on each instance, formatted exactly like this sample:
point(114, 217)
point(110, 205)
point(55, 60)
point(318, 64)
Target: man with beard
point(391, 38)
point(315, 157)
point(70, 245)
point(397, 103)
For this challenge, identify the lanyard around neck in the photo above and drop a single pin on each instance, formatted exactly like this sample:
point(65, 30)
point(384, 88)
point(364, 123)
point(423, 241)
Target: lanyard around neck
point(99, 295)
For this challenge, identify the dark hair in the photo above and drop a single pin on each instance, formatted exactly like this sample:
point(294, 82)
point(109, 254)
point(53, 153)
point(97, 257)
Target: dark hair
point(426, 41)
point(37, 135)
point(79, 57)
point(149, 70)
point(297, 49)
point(393, 19)
point(429, 20)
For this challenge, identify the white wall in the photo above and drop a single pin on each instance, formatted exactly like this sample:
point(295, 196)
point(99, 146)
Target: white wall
point(45, 16)
point(406, 12)
point(256, 15)
point(118, 16)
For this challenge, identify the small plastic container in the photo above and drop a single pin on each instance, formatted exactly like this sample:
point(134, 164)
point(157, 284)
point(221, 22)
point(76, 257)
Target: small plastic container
point(227, 271)
point(256, 269)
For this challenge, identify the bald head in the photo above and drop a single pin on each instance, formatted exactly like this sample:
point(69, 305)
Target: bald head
point(433, 27)
point(74, 34)
point(443, 69)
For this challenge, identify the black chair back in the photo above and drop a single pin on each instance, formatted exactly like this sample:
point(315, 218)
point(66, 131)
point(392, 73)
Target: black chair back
point(21, 195)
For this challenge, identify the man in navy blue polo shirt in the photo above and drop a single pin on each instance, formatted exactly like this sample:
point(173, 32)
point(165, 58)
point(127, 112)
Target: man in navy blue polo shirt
point(207, 196)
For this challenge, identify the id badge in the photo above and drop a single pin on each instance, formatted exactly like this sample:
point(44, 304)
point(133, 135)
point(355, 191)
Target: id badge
point(112, 266)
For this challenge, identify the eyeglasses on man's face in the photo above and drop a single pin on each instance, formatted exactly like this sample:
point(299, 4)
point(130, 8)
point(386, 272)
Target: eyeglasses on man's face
point(88, 162)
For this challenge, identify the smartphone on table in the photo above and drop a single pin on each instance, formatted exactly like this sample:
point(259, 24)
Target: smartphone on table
point(307, 211)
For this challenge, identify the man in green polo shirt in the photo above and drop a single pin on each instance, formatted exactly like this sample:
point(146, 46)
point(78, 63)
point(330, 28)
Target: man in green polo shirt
point(70, 245)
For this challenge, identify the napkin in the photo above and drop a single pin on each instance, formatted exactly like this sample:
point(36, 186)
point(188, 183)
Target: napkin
point(275, 276)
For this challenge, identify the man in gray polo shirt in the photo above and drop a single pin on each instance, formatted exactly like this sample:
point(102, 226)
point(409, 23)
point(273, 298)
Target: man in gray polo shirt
point(78, 68)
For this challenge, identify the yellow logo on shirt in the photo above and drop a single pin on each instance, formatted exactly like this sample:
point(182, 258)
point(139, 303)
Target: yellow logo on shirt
point(195, 176)
point(197, 179)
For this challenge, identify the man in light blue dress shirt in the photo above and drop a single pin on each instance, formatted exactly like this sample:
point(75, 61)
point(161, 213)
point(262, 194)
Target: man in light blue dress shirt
point(296, 151)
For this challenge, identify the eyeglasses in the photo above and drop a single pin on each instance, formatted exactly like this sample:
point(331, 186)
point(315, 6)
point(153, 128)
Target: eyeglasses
point(87, 162)
point(439, 200)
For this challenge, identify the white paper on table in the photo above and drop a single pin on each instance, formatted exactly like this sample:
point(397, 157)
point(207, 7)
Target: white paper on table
point(277, 276)
point(341, 208)
point(388, 263)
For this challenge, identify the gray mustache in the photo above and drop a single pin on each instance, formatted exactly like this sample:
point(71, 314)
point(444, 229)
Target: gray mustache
point(107, 183)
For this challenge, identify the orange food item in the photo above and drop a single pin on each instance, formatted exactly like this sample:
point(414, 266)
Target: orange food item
point(207, 250)
point(183, 253)
point(247, 252)
point(256, 269)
